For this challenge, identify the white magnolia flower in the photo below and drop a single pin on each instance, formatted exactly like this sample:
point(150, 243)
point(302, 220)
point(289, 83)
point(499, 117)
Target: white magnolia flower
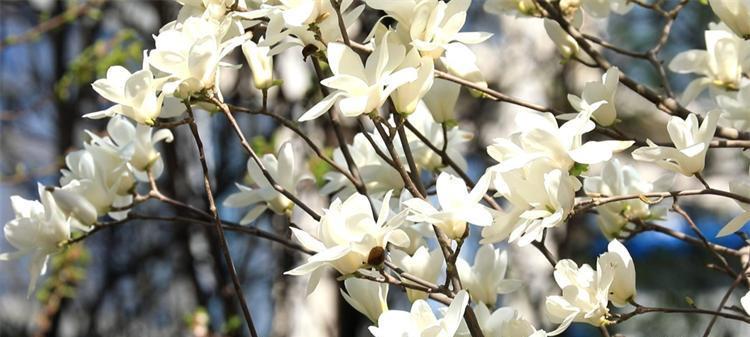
point(617, 179)
point(441, 100)
point(586, 292)
point(101, 172)
point(37, 230)
point(423, 264)
point(137, 144)
point(457, 206)
point(283, 170)
point(736, 107)
point(543, 195)
point(602, 8)
point(136, 96)
point(735, 14)
point(584, 295)
point(505, 322)
point(261, 64)
point(189, 53)
point(599, 98)
point(617, 258)
point(740, 186)
point(460, 61)
point(421, 321)
point(358, 88)
point(349, 238)
point(430, 25)
point(379, 176)
point(286, 24)
point(541, 138)
point(721, 65)
point(486, 278)
point(367, 297)
point(503, 223)
point(407, 96)
point(691, 143)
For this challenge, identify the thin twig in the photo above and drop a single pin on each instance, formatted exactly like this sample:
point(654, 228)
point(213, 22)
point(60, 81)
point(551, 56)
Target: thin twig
point(249, 149)
point(219, 227)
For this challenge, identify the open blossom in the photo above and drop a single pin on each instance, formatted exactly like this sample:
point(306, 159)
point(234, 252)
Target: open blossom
point(421, 321)
point(691, 143)
point(137, 144)
point(283, 170)
point(542, 197)
point(721, 65)
point(486, 278)
point(586, 292)
point(286, 23)
point(136, 96)
point(430, 25)
point(189, 53)
point(505, 322)
point(617, 259)
point(100, 176)
point(563, 146)
point(599, 97)
point(735, 107)
point(424, 264)
point(457, 206)
point(367, 297)
point(349, 238)
point(617, 179)
point(101, 173)
point(584, 295)
point(37, 230)
point(358, 88)
point(735, 14)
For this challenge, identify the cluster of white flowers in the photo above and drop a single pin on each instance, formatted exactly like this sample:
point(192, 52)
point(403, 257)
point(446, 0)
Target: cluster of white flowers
point(586, 292)
point(99, 180)
point(540, 167)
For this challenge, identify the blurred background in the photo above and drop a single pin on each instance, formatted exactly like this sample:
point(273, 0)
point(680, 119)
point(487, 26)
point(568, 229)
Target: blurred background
point(169, 279)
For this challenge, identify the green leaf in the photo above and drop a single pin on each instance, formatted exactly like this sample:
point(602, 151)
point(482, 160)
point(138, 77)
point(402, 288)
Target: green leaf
point(578, 169)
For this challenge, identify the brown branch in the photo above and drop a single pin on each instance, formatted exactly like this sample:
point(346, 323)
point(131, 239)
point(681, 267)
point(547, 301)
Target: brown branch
point(249, 149)
point(292, 126)
point(217, 221)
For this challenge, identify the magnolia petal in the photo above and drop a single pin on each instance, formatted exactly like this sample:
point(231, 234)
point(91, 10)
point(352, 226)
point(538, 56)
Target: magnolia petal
point(734, 225)
point(321, 107)
point(307, 240)
point(691, 61)
point(253, 214)
point(472, 37)
point(745, 302)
